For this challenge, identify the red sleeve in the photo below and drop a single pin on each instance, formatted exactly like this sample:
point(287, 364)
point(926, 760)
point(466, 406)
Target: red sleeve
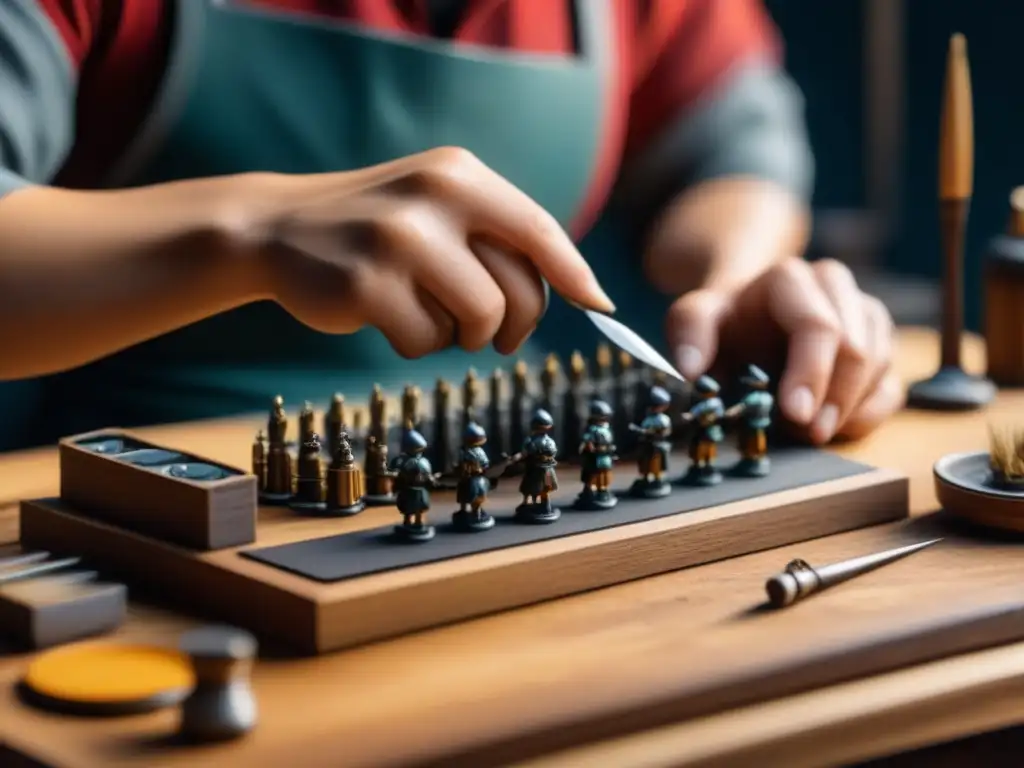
point(77, 22)
point(120, 48)
point(683, 50)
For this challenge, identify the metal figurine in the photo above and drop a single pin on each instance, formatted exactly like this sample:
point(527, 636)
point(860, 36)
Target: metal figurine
point(622, 403)
point(345, 482)
point(572, 423)
point(705, 417)
point(517, 406)
point(441, 450)
point(495, 420)
point(378, 416)
point(539, 478)
point(474, 485)
point(411, 407)
point(380, 480)
point(597, 451)
point(754, 415)
point(655, 445)
point(470, 398)
point(307, 428)
point(601, 369)
point(414, 479)
point(278, 487)
point(548, 382)
point(334, 422)
point(800, 580)
point(259, 461)
point(309, 483)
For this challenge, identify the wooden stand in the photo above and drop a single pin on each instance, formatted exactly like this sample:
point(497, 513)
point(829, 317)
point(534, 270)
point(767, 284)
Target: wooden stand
point(1004, 300)
point(315, 617)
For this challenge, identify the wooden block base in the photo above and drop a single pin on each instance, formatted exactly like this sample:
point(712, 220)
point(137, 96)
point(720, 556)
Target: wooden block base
point(313, 617)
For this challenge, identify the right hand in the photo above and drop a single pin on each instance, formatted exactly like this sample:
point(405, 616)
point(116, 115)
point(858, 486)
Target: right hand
point(433, 250)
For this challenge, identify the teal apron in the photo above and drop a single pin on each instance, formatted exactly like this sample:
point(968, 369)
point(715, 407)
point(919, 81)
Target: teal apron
point(252, 88)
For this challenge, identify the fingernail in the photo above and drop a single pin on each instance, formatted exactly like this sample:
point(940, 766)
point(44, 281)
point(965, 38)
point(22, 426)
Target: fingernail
point(826, 423)
point(603, 299)
point(690, 360)
point(800, 405)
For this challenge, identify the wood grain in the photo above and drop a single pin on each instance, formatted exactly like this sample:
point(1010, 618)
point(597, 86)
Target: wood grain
point(640, 648)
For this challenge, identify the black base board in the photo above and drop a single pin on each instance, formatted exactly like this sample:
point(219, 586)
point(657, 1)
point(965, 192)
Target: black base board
point(351, 555)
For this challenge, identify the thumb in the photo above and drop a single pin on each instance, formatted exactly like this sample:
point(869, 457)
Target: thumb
point(692, 329)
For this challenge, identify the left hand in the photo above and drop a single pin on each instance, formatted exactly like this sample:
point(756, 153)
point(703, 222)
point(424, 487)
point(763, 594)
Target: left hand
point(836, 343)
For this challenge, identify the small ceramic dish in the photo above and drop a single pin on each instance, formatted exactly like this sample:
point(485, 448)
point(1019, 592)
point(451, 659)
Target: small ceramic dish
point(968, 488)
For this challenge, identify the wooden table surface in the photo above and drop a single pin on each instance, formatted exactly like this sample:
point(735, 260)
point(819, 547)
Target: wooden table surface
point(412, 699)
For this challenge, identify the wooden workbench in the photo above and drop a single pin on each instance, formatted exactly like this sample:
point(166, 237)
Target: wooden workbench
point(443, 692)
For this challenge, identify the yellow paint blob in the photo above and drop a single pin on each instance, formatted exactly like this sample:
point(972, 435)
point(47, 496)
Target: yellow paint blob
point(109, 673)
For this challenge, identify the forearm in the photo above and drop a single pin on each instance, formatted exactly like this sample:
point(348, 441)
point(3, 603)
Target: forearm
point(85, 274)
point(723, 232)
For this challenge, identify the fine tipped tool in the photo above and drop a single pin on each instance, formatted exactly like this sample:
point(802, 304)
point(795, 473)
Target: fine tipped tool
point(628, 341)
point(800, 580)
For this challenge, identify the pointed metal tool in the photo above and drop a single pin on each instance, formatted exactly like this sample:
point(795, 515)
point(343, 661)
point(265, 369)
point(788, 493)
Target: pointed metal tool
point(38, 569)
point(628, 341)
point(800, 580)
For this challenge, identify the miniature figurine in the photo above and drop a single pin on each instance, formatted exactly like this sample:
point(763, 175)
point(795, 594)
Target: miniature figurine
point(306, 426)
point(380, 480)
point(345, 486)
point(754, 413)
point(597, 454)
point(655, 445)
point(278, 486)
point(539, 477)
point(474, 485)
point(259, 461)
point(334, 422)
point(411, 407)
point(414, 480)
point(706, 417)
point(309, 481)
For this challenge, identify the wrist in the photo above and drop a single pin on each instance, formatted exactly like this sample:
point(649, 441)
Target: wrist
point(724, 233)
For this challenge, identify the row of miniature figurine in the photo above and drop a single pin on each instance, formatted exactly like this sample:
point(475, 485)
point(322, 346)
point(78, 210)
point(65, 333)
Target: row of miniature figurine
point(408, 480)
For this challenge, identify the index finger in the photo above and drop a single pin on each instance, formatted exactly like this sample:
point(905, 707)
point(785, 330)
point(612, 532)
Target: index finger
point(497, 208)
point(800, 307)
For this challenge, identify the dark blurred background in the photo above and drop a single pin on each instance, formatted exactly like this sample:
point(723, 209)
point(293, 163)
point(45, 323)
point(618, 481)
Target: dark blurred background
point(872, 73)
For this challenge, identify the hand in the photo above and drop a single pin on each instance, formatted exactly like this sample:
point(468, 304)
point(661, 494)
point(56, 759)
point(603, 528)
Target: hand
point(433, 249)
point(837, 344)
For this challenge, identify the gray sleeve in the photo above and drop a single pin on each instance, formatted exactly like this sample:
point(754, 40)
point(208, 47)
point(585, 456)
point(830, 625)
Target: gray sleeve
point(37, 96)
point(753, 126)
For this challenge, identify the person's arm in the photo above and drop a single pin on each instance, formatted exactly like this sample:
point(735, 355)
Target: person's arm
point(719, 167)
point(84, 274)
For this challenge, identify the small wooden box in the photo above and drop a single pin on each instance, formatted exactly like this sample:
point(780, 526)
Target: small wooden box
point(179, 498)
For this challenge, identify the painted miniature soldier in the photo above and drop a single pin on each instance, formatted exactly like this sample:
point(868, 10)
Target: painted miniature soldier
point(754, 415)
point(380, 480)
point(706, 420)
point(474, 485)
point(655, 445)
point(539, 477)
point(414, 479)
point(597, 456)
